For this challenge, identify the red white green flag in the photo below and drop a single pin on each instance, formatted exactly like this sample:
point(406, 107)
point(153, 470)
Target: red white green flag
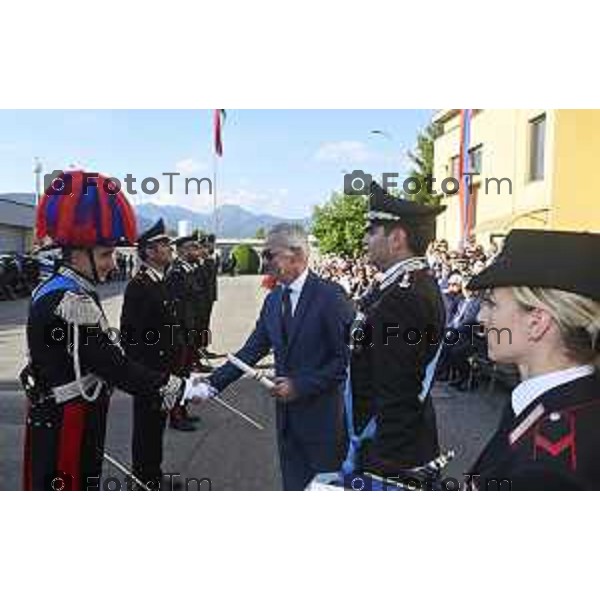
point(219, 122)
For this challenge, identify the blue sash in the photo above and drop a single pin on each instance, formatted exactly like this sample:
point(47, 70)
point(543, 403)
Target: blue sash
point(357, 439)
point(54, 284)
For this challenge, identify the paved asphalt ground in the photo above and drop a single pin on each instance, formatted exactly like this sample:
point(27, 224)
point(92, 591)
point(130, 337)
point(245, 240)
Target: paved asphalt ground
point(225, 450)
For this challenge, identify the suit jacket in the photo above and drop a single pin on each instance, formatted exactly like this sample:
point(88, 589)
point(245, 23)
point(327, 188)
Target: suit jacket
point(465, 313)
point(452, 303)
point(315, 358)
point(552, 445)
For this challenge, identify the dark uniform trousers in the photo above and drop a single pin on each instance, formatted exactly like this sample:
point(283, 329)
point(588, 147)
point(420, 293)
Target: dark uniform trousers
point(62, 444)
point(552, 445)
point(147, 307)
point(211, 267)
point(203, 302)
point(388, 371)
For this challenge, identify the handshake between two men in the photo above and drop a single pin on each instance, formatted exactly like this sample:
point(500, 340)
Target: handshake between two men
point(199, 389)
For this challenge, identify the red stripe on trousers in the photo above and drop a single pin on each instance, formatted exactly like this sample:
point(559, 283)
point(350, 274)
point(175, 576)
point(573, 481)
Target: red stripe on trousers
point(71, 437)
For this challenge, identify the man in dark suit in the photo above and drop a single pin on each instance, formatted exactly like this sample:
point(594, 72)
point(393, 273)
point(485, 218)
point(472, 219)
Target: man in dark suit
point(305, 320)
point(455, 355)
point(147, 321)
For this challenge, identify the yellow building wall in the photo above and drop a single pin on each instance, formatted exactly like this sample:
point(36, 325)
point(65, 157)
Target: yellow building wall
point(446, 146)
point(497, 131)
point(576, 203)
point(572, 142)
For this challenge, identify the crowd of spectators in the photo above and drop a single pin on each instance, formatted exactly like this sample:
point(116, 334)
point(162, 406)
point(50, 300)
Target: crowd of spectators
point(452, 268)
point(354, 275)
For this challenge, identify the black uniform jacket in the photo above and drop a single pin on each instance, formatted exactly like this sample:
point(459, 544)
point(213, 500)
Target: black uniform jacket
point(388, 369)
point(188, 290)
point(554, 444)
point(148, 320)
point(211, 267)
point(50, 335)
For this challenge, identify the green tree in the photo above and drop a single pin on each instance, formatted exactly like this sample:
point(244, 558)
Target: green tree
point(339, 225)
point(422, 164)
point(261, 233)
point(247, 259)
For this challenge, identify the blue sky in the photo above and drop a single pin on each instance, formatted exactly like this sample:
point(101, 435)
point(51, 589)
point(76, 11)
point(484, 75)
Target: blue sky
point(277, 161)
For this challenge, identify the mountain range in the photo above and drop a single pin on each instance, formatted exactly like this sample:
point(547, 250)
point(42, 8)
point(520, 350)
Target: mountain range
point(233, 221)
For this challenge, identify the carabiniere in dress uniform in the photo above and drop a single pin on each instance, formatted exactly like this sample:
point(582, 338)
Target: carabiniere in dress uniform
point(391, 421)
point(74, 361)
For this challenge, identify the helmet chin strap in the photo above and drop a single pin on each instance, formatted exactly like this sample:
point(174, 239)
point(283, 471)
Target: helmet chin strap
point(90, 253)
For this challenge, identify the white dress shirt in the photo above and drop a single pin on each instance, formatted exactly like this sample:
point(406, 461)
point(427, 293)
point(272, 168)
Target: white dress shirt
point(530, 389)
point(296, 289)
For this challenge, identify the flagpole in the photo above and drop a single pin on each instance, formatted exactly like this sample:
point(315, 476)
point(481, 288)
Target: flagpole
point(215, 216)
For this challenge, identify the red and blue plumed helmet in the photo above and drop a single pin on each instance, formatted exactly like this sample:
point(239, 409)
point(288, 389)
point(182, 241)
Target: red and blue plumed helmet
point(83, 210)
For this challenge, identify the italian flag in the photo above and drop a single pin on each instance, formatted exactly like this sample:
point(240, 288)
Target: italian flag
point(219, 122)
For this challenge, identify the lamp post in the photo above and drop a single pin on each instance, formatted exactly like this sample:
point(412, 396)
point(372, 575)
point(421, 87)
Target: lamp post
point(384, 134)
point(37, 172)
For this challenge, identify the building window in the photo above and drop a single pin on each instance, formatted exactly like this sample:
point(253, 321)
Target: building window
point(537, 129)
point(475, 160)
point(455, 167)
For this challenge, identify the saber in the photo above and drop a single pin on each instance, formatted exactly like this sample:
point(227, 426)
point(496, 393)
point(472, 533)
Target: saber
point(429, 470)
point(234, 410)
point(253, 373)
point(121, 467)
point(231, 408)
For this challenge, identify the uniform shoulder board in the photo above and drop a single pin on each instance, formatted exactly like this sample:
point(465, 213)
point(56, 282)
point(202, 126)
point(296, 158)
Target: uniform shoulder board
point(79, 309)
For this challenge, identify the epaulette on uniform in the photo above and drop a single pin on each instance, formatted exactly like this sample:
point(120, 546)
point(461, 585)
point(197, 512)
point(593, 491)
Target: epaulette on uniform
point(79, 309)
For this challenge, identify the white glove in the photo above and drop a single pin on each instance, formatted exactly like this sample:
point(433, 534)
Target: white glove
point(197, 390)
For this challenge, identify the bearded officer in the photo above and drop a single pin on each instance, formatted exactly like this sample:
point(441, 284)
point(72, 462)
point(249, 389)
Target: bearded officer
point(74, 359)
point(391, 420)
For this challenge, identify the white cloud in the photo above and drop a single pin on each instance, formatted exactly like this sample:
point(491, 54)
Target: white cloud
point(342, 152)
point(189, 165)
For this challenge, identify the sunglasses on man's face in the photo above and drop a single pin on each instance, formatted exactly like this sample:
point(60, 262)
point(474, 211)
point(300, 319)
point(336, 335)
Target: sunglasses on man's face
point(269, 254)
